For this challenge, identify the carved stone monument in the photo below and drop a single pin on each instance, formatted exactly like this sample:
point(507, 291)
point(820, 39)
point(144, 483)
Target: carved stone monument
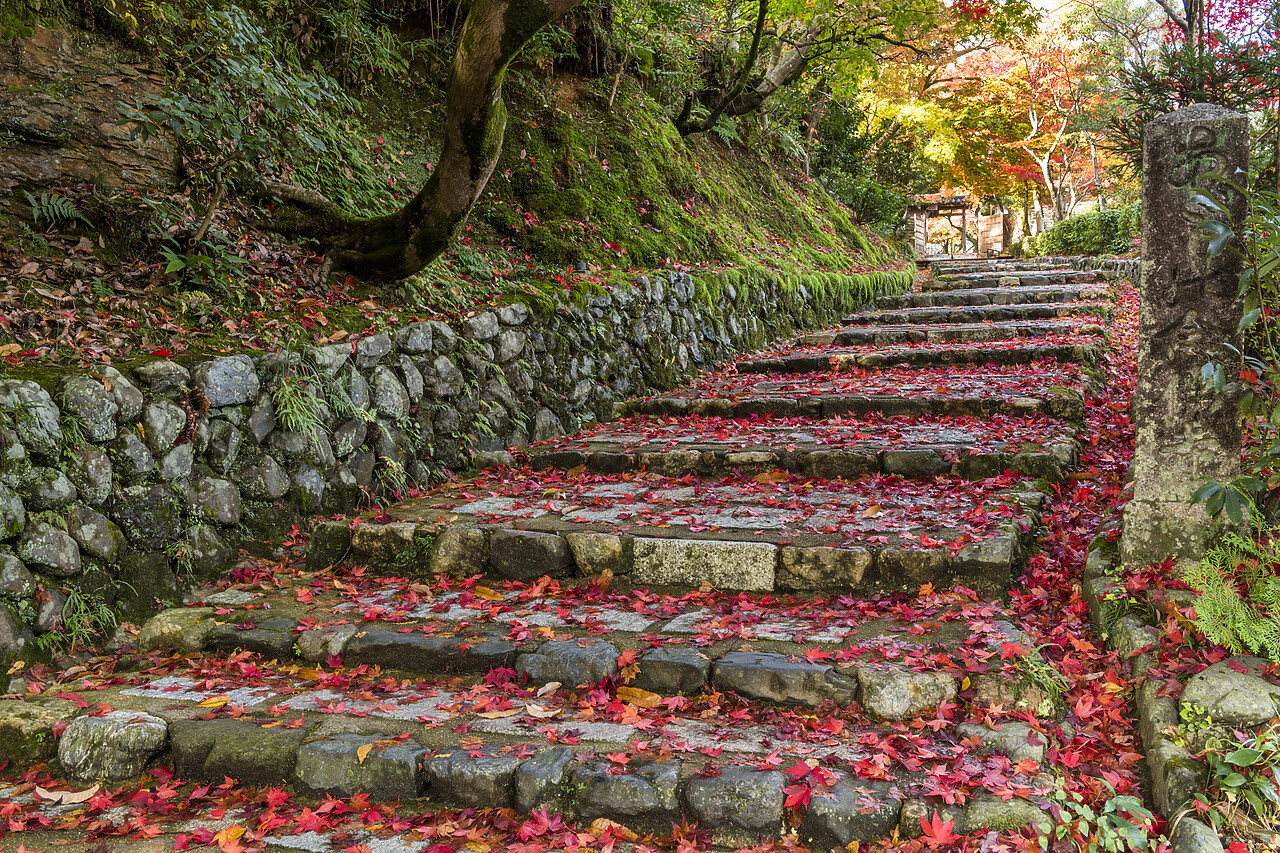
point(1187, 432)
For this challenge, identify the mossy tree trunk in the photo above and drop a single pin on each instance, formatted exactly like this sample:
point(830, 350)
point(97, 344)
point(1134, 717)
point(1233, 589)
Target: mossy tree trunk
point(395, 246)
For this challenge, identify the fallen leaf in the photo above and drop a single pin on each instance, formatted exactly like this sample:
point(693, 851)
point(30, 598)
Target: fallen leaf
point(363, 753)
point(67, 798)
point(639, 698)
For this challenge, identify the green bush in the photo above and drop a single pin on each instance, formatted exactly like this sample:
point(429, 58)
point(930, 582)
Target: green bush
point(1105, 232)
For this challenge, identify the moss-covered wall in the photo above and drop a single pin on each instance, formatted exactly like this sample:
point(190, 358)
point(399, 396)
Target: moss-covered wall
point(120, 485)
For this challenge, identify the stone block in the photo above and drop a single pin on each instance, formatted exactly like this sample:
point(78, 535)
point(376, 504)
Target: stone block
point(778, 678)
point(210, 750)
point(823, 568)
point(425, 653)
point(540, 781)
point(690, 562)
point(459, 550)
point(528, 554)
point(645, 791)
point(571, 662)
point(271, 637)
point(739, 798)
point(482, 781)
point(593, 553)
point(113, 747)
point(389, 771)
point(668, 670)
point(894, 693)
point(851, 810)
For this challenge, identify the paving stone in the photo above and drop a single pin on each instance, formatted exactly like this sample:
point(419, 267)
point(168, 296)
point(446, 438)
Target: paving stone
point(319, 644)
point(27, 729)
point(669, 670)
point(388, 771)
point(851, 810)
point(459, 550)
point(540, 781)
point(739, 798)
point(481, 777)
point(209, 750)
point(427, 653)
point(1230, 698)
point(1194, 836)
point(725, 565)
point(893, 693)
point(271, 637)
point(594, 553)
point(644, 791)
point(823, 568)
point(1016, 740)
point(985, 812)
point(571, 662)
point(778, 678)
point(528, 554)
point(113, 747)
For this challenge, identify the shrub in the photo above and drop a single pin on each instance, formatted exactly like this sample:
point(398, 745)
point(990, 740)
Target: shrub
point(1097, 232)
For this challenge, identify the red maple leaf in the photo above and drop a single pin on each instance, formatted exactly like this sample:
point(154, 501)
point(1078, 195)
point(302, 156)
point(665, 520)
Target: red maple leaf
point(937, 832)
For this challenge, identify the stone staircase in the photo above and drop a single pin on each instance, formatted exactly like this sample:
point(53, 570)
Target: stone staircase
point(772, 601)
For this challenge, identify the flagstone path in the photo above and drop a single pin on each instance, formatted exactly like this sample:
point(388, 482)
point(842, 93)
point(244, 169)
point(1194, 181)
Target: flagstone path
point(796, 603)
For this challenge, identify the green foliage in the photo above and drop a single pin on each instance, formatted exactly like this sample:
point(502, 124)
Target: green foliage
point(1243, 793)
point(214, 266)
point(236, 106)
point(297, 408)
point(52, 210)
point(85, 619)
point(1238, 588)
point(1095, 232)
point(1115, 823)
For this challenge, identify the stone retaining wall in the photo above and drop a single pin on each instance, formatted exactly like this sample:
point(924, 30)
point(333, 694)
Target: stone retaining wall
point(120, 484)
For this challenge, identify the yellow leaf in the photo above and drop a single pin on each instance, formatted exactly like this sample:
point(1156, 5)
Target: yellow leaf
point(926, 589)
point(638, 697)
point(772, 477)
point(601, 825)
point(214, 702)
point(310, 674)
point(487, 594)
point(965, 684)
point(362, 752)
point(851, 847)
point(497, 715)
point(576, 471)
point(872, 511)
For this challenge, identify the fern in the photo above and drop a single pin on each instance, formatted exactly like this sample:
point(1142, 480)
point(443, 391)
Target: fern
point(1239, 621)
point(53, 210)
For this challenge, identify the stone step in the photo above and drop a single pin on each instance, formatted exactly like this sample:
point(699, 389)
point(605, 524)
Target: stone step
point(710, 726)
point(1062, 348)
point(889, 334)
point(1022, 295)
point(1020, 312)
point(946, 267)
point(1027, 278)
point(909, 447)
point(775, 531)
point(1054, 388)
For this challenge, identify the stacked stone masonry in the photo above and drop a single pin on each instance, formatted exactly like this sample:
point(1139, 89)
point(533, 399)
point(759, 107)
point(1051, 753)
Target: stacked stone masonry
point(121, 483)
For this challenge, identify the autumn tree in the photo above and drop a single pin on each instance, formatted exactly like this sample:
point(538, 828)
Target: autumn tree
point(839, 44)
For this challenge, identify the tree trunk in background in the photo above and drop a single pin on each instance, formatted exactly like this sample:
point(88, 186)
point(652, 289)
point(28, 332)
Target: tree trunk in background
point(1097, 177)
point(394, 247)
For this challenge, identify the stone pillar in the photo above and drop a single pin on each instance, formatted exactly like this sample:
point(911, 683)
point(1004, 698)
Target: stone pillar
point(1187, 433)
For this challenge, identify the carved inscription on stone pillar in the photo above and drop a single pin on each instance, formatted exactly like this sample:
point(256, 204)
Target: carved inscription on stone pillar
point(1189, 312)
